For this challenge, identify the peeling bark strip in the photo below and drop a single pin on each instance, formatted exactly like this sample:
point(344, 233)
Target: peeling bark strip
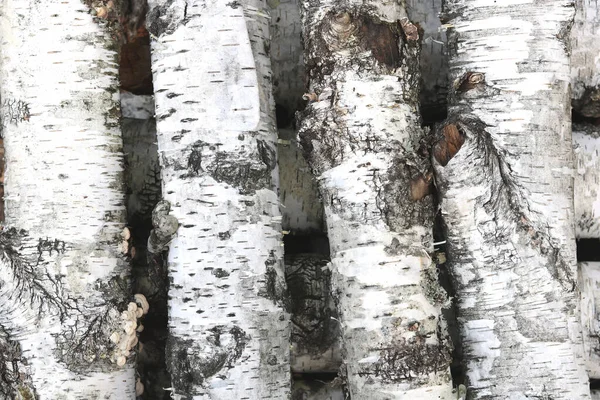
point(361, 135)
point(228, 332)
point(506, 199)
point(63, 282)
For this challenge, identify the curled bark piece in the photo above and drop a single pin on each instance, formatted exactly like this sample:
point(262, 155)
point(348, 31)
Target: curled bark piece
point(449, 145)
point(165, 227)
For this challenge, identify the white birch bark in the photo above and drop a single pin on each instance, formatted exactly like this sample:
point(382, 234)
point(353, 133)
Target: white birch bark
point(506, 199)
point(228, 333)
point(586, 144)
point(589, 279)
point(63, 280)
point(361, 134)
point(585, 58)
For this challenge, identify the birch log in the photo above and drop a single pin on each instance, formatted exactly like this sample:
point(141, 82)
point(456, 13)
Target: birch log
point(506, 199)
point(585, 58)
point(589, 278)
point(361, 135)
point(586, 142)
point(228, 332)
point(63, 280)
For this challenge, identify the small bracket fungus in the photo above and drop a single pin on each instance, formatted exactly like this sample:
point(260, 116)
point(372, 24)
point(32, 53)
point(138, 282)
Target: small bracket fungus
point(310, 97)
point(126, 340)
point(125, 236)
point(139, 387)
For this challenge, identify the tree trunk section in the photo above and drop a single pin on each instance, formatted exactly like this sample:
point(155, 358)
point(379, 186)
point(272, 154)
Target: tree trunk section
point(506, 199)
point(361, 134)
point(585, 63)
point(63, 277)
point(586, 141)
point(228, 332)
point(589, 278)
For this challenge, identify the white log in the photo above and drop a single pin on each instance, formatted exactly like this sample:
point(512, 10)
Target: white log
point(62, 275)
point(586, 147)
point(589, 280)
point(585, 58)
point(361, 132)
point(507, 199)
point(228, 333)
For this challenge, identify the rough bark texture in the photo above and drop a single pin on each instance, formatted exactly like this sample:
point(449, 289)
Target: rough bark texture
point(229, 334)
point(63, 279)
point(585, 63)
point(504, 172)
point(586, 144)
point(361, 133)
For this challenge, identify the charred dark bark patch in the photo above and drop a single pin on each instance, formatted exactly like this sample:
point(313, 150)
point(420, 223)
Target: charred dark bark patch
point(248, 171)
point(312, 308)
point(191, 363)
point(404, 361)
point(274, 287)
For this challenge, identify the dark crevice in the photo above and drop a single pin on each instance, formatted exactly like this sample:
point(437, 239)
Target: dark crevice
point(588, 250)
point(457, 367)
point(142, 173)
point(432, 114)
point(594, 384)
point(578, 118)
point(316, 243)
